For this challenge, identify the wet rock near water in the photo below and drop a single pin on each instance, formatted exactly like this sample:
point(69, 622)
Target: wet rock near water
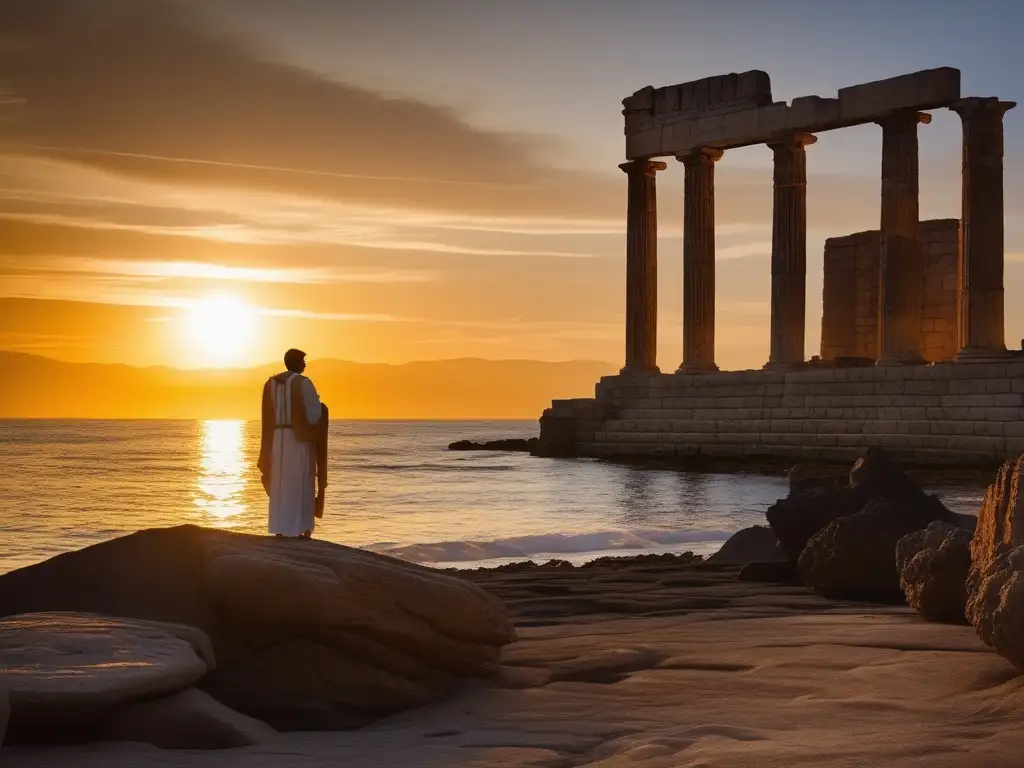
point(610, 562)
point(306, 634)
point(523, 445)
point(756, 543)
point(995, 582)
point(933, 565)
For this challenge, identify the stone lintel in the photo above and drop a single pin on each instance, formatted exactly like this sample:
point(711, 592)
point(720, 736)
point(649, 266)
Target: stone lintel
point(654, 128)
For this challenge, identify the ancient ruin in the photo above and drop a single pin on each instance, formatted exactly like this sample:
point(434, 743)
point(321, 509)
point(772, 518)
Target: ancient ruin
point(913, 356)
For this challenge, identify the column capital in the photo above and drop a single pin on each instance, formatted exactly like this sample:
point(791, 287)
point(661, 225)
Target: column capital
point(905, 117)
point(704, 154)
point(649, 167)
point(978, 106)
point(792, 141)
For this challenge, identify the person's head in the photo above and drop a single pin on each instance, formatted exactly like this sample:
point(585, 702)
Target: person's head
point(295, 360)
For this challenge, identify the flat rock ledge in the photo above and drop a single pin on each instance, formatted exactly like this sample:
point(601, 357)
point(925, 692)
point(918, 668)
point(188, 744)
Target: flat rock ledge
point(307, 634)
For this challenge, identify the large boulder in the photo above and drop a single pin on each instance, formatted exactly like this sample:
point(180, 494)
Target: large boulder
point(65, 672)
point(875, 476)
point(756, 543)
point(995, 586)
point(403, 632)
point(933, 565)
point(854, 557)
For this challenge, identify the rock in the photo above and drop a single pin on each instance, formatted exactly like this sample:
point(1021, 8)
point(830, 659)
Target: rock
point(933, 565)
point(190, 719)
point(801, 515)
point(854, 557)
point(5, 713)
point(995, 587)
point(63, 671)
point(804, 477)
point(756, 543)
point(257, 598)
point(796, 518)
point(771, 572)
point(512, 444)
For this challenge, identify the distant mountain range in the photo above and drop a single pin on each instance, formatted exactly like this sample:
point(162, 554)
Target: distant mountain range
point(40, 387)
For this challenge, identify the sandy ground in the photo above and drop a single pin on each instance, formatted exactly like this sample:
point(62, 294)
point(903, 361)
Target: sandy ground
point(664, 666)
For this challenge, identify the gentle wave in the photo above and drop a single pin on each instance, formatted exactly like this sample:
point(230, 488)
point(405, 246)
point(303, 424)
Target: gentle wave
point(528, 547)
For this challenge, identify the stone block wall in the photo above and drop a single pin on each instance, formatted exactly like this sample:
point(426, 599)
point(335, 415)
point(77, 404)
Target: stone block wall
point(849, 320)
point(849, 317)
point(950, 414)
point(940, 244)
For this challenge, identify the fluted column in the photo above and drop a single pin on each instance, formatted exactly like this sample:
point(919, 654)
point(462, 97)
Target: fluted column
point(901, 267)
point(789, 251)
point(641, 266)
point(980, 321)
point(699, 261)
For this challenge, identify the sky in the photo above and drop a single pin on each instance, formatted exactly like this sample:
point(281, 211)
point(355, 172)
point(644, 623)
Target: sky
point(207, 182)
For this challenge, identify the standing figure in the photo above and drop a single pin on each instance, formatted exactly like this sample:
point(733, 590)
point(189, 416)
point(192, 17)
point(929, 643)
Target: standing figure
point(293, 449)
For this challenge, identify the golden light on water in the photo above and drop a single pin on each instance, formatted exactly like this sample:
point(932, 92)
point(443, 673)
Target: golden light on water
point(220, 487)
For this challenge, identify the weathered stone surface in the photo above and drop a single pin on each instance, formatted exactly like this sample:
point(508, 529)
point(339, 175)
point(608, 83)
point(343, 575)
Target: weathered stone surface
point(756, 543)
point(63, 671)
point(933, 565)
point(771, 572)
point(995, 589)
point(854, 557)
point(256, 597)
point(190, 719)
point(798, 517)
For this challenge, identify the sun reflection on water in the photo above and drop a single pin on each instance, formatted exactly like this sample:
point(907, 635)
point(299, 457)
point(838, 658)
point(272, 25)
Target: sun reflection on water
point(220, 487)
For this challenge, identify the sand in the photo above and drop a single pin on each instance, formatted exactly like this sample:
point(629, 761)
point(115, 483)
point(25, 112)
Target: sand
point(660, 665)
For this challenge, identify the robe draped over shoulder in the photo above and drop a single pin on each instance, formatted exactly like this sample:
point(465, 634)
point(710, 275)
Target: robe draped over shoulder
point(293, 452)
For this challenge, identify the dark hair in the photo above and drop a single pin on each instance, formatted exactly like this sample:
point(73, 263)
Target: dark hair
point(293, 359)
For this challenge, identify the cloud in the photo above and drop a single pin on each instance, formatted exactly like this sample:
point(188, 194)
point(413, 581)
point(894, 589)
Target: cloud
point(142, 87)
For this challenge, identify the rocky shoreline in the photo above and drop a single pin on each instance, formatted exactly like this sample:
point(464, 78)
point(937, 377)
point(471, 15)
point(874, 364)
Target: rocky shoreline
point(189, 639)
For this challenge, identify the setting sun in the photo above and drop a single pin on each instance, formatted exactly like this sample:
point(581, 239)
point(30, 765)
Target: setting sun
point(219, 331)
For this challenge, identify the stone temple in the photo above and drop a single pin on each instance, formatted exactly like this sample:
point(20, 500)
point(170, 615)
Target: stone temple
point(913, 356)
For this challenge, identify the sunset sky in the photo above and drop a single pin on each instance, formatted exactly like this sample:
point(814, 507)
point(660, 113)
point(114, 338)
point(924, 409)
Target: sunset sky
point(206, 182)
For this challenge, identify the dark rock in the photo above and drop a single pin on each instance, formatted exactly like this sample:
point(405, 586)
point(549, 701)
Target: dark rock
point(875, 476)
point(796, 518)
point(804, 477)
point(854, 557)
point(933, 565)
point(187, 720)
point(523, 445)
point(771, 572)
point(257, 597)
point(756, 543)
point(995, 584)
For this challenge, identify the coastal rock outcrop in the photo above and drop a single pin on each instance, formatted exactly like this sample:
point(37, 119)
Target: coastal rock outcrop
point(843, 538)
point(758, 543)
point(64, 673)
point(387, 634)
point(933, 565)
point(510, 444)
point(995, 587)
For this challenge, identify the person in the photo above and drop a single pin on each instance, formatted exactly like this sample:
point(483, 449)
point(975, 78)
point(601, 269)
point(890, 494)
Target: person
point(293, 449)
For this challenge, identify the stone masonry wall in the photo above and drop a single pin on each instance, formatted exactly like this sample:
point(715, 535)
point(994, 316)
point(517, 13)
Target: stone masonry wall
point(849, 320)
point(940, 244)
point(955, 414)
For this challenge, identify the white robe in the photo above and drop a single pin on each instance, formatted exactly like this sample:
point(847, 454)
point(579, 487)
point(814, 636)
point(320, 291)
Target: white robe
point(292, 494)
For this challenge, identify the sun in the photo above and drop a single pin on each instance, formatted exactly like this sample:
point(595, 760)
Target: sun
point(219, 331)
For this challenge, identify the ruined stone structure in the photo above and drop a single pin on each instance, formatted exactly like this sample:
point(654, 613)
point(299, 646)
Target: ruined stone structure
point(912, 357)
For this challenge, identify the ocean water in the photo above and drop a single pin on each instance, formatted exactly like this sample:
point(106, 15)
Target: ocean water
point(393, 487)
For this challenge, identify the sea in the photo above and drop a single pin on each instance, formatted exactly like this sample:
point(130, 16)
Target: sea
point(393, 488)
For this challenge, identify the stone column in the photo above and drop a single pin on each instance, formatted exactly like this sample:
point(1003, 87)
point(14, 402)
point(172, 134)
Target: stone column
point(901, 269)
point(980, 329)
point(699, 261)
point(789, 251)
point(641, 266)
